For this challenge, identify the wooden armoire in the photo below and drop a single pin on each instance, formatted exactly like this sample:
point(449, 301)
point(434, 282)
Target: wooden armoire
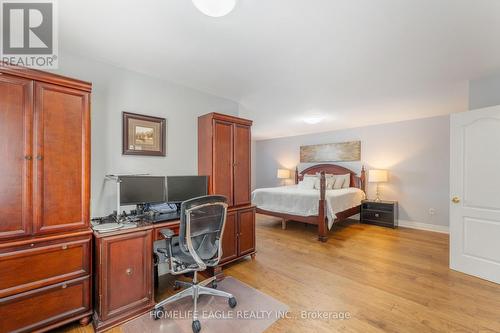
point(224, 154)
point(45, 238)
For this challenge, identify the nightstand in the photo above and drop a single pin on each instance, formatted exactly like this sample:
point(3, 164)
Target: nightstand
point(382, 213)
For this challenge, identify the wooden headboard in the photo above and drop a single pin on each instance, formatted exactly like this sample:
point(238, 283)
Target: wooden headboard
point(356, 181)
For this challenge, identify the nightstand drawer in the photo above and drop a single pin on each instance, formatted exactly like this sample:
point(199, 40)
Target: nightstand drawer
point(380, 216)
point(378, 206)
point(382, 213)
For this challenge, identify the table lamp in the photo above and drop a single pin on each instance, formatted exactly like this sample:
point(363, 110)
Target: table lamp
point(377, 176)
point(283, 174)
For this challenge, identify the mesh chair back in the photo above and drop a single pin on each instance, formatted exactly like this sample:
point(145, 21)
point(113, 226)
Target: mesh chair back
point(202, 226)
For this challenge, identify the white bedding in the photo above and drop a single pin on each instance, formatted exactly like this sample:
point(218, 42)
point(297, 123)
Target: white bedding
point(304, 202)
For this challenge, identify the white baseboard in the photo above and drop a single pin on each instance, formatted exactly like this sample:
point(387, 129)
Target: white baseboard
point(424, 226)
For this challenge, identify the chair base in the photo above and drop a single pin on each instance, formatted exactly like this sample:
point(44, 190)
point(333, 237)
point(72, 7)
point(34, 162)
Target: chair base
point(194, 290)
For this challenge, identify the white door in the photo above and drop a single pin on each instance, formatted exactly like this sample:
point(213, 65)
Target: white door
point(475, 193)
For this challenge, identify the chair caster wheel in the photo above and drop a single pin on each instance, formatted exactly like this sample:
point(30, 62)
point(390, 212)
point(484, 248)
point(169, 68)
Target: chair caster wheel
point(232, 302)
point(196, 326)
point(158, 313)
point(214, 284)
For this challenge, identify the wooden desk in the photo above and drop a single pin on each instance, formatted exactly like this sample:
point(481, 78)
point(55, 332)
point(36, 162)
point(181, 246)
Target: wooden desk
point(123, 261)
point(124, 281)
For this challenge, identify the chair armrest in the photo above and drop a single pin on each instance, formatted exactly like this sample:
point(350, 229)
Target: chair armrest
point(167, 233)
point(167, 251)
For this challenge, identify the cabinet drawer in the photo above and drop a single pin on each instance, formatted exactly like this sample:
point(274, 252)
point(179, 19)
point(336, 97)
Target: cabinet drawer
point(387, 217)
point(26, 268)
point(40, 307)
point(157, 232)
point(378, 206)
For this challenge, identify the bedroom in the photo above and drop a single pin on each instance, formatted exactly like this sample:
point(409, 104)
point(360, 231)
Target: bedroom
point(250, 166)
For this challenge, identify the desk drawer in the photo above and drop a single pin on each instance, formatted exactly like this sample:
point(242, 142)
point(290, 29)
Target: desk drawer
point(26, 268)
point(40, 307)
point(159, 236)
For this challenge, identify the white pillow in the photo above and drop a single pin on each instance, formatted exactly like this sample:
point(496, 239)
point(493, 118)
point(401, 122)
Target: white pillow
point(330, 181)
point(346, 180)
point(316, 178)
point(308, 183)
point(339, 182)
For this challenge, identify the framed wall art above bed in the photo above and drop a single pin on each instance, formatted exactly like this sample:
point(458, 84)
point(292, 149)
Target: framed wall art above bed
point(331, 152)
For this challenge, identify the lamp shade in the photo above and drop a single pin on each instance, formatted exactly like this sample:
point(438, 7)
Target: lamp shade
point(283, 173)
point(377, 176)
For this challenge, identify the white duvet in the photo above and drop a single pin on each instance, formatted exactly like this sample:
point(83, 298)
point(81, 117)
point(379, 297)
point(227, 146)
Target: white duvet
point(304, 202)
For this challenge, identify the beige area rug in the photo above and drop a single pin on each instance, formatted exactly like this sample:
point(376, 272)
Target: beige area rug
point(254, 313)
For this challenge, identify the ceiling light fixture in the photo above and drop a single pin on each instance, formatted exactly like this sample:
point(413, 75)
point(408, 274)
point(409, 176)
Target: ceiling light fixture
point(215, 8)
point(313, 120)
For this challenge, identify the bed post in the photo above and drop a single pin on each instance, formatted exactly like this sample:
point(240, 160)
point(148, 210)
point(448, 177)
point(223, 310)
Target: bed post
point(363, 179)
point(296, 175)
point(322, 229)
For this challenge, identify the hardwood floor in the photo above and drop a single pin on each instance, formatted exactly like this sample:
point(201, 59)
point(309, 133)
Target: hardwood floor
point(387, 280)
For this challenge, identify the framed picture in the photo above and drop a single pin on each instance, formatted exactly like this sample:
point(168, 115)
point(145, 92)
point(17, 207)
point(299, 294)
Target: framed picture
point(331, 152)
point(144, 135)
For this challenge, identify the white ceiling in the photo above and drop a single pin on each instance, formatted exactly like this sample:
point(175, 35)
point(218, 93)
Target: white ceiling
point(354, 62)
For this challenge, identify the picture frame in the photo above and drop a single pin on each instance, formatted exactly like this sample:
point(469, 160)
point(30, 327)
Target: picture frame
point(331, 152)
point(143, 135)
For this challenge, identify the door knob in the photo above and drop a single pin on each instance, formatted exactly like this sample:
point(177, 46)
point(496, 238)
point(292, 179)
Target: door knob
point(455, 200)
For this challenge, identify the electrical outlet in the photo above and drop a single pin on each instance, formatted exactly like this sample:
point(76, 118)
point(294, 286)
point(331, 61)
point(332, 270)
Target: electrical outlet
point(432, 211)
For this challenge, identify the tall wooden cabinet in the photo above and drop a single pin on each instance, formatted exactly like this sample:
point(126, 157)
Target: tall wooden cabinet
point(224, 154)
point(45, 238)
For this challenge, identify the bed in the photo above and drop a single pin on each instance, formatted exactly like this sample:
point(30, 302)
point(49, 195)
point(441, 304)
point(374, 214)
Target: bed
point(322, 207)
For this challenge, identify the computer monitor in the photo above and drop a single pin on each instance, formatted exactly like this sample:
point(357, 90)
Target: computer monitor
point(136, 190)
point(182, 188)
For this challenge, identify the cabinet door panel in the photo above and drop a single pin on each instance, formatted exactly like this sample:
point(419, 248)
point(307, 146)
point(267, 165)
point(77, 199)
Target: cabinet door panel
point(223, 160)
point(62, 158)
point(229, 239)
point(127, 266)
point(16, 114)
point(246, 229)
point(242, 142)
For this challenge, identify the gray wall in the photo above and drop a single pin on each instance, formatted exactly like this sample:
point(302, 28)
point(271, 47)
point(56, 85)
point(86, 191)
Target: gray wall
point(484, 92)
point(116, 90)
point(416, 153)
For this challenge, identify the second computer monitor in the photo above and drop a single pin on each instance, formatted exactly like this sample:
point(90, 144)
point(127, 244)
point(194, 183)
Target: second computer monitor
point(182, 188)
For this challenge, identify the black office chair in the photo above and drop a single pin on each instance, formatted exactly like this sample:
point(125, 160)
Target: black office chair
point(198, 246)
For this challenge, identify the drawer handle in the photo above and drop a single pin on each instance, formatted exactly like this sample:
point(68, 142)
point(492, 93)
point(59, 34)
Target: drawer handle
point(64, 247)
point(32, 244)
point(128, 271)
point(377, 215)
point(64, 286)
